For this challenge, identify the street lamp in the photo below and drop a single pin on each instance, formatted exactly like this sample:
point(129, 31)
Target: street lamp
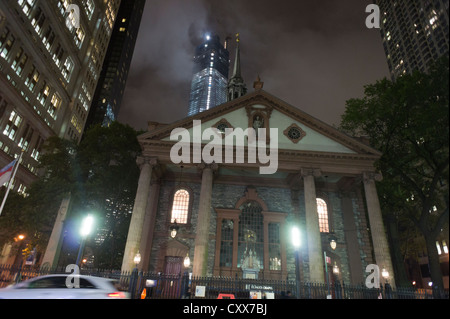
point(387, 287)
point(134, 275)
point(187, 261)
point(297, 242)
point(335, 269)
point(174, 229)
point(385, 274)
point(137, 259)
point(296, 239)
point(186, 278)
point(85, 230)
point(333, 245)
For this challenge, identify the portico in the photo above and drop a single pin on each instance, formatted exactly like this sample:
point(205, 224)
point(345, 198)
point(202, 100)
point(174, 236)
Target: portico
point(237, 217)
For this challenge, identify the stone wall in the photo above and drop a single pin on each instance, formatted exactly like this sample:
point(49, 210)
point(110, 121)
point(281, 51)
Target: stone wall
point(278, 200)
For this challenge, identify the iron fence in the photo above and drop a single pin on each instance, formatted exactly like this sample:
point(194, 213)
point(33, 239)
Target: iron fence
point(162, 286)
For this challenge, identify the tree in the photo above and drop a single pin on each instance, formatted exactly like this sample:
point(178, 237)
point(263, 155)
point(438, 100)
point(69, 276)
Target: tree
point(108, 159)
point(101, 176)
point(35, 213)
point(408, 121)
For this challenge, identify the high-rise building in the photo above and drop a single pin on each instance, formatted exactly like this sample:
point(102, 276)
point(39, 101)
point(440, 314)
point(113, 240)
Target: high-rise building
point(110, 88)
point(414, 33)
point(51, 55)
point(209, 83)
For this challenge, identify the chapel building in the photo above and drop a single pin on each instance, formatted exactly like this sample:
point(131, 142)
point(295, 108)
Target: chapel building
point(233, 221)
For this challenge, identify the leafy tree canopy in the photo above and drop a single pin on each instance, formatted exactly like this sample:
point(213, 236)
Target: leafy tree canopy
point(408, 121)
point(100, 174)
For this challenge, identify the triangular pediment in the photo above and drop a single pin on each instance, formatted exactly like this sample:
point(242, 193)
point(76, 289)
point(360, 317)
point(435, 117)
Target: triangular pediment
point(295, 129)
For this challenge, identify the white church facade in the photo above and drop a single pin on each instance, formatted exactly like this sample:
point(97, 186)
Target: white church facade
point(233, 221)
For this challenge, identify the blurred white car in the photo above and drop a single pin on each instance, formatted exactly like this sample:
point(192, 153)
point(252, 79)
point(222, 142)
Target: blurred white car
point(56, 287)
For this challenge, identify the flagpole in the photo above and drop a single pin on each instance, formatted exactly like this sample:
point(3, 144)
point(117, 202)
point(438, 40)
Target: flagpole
point(8, 187)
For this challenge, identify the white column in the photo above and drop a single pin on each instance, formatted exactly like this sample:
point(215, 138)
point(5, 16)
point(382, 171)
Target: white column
point(379, 239)
point(53, 249)
point(137, 218)
point(149, 224)
point(315, 253)
point(200, 261)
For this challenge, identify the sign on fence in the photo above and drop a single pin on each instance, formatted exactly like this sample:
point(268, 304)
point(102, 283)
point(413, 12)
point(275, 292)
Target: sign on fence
point(200, 291)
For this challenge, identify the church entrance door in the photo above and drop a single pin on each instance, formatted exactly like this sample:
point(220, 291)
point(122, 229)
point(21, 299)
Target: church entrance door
point(172, 271)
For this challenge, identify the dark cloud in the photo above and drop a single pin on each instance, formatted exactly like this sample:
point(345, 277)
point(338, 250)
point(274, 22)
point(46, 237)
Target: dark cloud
point(314, 55)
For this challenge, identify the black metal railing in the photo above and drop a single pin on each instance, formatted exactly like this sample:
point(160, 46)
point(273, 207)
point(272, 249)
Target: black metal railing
point(162, 286)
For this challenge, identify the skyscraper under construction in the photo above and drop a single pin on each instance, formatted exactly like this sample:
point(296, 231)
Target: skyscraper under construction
point(210, 80)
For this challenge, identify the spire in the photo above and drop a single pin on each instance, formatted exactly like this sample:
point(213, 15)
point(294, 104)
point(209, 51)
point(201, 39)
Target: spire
point(236, 85)
point(237, 61)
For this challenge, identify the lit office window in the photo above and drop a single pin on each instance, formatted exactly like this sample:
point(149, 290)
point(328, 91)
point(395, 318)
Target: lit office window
point(48, 39)
point(32, 78)
point(58, 54)
point(438, 247)
point(89, 6)
point(38, 20)
point(26, 137)
point(67, 68)
point(26, 6)
point(6, 42)
point(43, 93)
point(444, 246)
point(79, 38)
point(54, 105)
point(13, 125)
point(19, 62)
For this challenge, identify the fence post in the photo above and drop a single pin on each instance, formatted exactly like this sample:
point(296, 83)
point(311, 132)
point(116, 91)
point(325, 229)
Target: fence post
point(19, 274)
point(185, 286)
point(338, 290)
point(133, 282)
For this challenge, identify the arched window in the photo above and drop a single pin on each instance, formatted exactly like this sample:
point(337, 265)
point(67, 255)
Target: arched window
point(180, 207)
point(322, 211)
point(251, 237)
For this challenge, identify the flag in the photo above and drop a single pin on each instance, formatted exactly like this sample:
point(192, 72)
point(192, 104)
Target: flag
point(6, 172)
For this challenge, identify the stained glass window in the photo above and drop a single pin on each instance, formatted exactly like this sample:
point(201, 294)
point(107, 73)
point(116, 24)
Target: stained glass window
point(251, 237)
point(274, 247)
point(226, 243)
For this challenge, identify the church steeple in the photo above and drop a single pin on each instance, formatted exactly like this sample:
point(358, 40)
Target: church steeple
point(236, 85)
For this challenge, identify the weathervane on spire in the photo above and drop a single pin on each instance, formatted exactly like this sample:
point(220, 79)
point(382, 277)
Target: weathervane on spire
point(237, 37)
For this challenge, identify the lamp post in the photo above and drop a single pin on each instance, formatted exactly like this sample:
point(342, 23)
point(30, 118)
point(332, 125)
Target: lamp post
point(186, 280)
point(296, 242)
point(85, 230)
point(134, 275)
point(137, 259)
point(333, 245)
point(387, 287)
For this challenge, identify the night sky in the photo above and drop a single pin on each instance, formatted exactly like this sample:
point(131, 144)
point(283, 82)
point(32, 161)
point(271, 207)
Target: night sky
point(314, 55)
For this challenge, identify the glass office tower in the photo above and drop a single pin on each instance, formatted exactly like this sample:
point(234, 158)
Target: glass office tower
point(209, 83)
point(414, 33)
